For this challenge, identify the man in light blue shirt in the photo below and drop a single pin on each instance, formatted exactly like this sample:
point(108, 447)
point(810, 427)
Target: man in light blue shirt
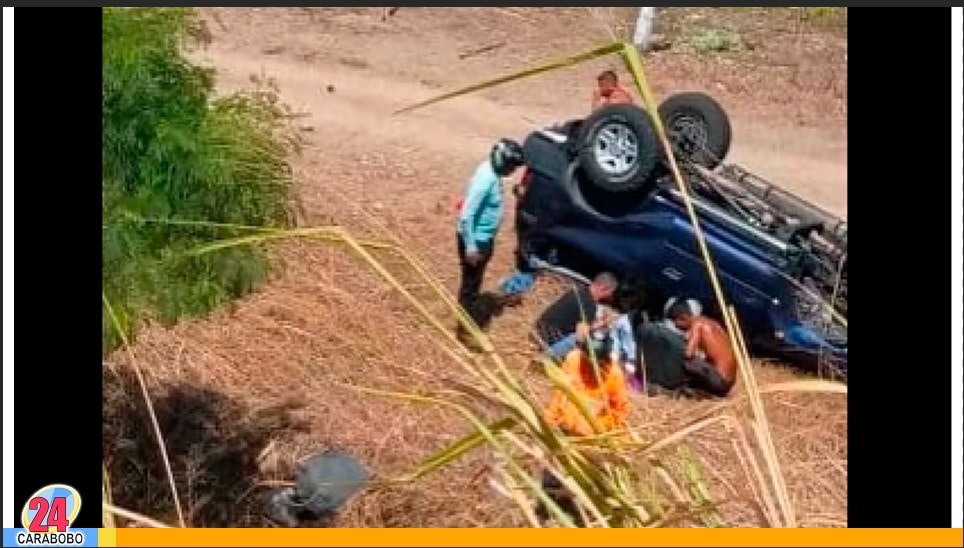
point(480, 216)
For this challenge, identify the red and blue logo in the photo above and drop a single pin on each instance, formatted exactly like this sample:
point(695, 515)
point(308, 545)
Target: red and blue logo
point(46, 518)
point(51, 509)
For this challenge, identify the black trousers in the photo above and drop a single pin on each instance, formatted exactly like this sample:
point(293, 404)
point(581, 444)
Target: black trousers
point(703, 376)
point(470, 286)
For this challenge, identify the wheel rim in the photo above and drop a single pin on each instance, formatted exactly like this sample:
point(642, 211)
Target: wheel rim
point(616, 149)
point(689, 134)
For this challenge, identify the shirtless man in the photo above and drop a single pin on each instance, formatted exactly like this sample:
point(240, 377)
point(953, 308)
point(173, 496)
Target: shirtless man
point(609, 92)
point(710, 363)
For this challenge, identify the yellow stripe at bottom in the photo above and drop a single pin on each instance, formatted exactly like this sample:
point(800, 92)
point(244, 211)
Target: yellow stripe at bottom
point(107, 537)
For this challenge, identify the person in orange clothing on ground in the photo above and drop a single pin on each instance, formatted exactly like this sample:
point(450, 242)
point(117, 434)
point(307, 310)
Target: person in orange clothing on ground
point(605, 395)
point(609, 92)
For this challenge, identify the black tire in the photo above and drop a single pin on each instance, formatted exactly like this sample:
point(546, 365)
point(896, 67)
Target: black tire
point(698, 126)
point(643, 155)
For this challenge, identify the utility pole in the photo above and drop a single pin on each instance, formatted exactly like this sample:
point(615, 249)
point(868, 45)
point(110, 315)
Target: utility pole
point(644, 28)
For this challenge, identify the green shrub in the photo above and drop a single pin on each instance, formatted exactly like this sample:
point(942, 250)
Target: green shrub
point(171, 150)
point(825, 14)
point(713, 40)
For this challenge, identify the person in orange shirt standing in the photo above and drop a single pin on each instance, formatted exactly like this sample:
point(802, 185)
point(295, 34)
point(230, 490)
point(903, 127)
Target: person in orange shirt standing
point(602, 391)
point(609, 92)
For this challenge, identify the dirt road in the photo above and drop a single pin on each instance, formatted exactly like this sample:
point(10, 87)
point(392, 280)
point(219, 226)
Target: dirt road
point(367, 83)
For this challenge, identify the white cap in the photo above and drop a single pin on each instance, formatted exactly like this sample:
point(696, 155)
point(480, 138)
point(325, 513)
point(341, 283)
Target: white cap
point(695, 307)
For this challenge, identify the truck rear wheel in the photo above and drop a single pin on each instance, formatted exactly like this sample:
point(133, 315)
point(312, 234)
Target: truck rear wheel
point(617, 148)
point(698, 127)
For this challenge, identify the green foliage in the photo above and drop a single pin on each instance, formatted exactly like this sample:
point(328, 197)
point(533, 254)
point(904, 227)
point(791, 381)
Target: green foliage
point(824, 14)
point(714, 40)
point(172, 150)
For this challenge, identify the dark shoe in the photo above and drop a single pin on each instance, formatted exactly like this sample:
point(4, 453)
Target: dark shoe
point(467, 340)
point(695, 393)
point(657, 390)
point(489, 305)
point(509, 301)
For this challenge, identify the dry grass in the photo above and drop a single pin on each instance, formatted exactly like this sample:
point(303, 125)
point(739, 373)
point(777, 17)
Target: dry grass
point(792, 59)
point(329, 322)
point(280, 344)
point(296, 340)
point(271, 376)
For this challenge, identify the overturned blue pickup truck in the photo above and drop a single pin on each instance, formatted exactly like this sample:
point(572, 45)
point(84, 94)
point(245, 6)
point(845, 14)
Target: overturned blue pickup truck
point(597, 194)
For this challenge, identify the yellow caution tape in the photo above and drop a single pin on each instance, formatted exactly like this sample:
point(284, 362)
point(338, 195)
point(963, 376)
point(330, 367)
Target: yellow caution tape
point(545, 67)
